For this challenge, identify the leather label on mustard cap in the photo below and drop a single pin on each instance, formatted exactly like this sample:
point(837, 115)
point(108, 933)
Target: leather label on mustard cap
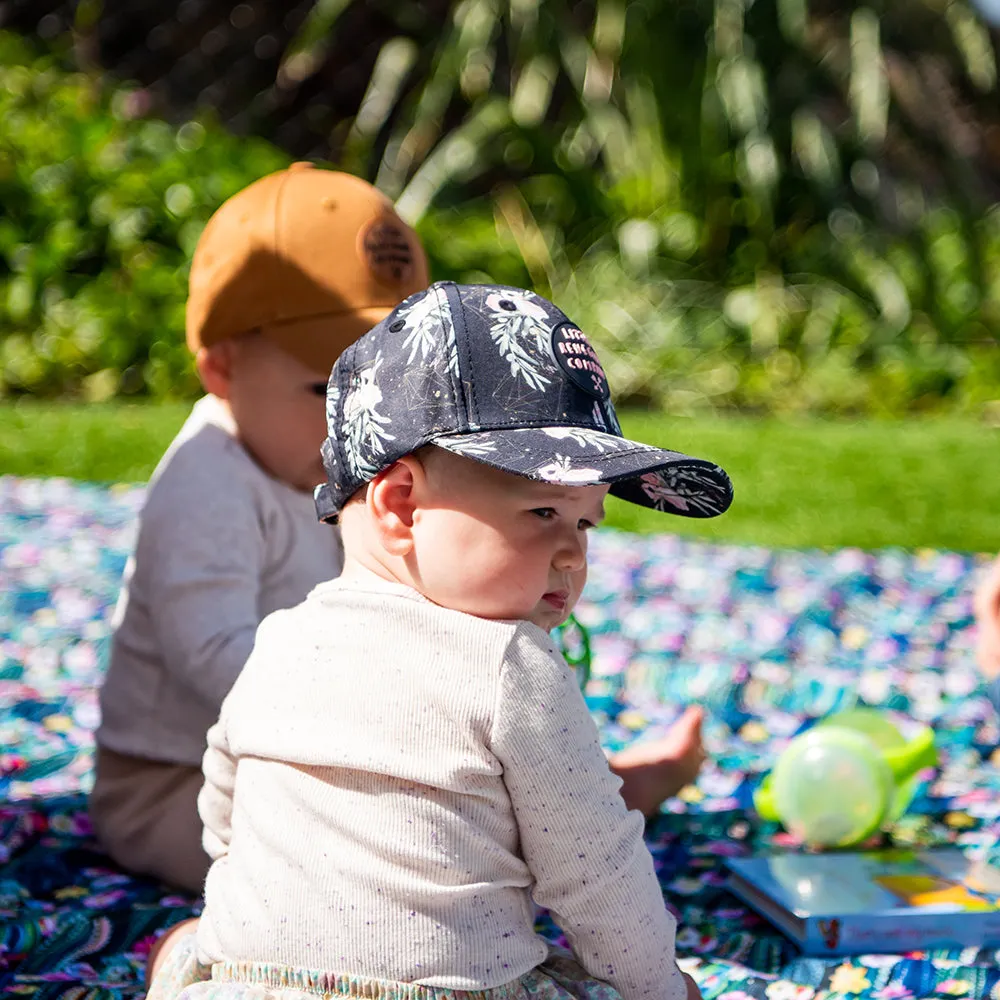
point(385, 246)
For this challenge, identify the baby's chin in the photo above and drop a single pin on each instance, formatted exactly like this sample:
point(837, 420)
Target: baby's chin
point(547, 620)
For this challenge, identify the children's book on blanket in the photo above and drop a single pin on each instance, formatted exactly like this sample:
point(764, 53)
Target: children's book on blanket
point(845, 903)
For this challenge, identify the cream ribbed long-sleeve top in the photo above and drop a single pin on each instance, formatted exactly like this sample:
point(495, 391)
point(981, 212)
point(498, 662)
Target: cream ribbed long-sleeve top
point(389, 785)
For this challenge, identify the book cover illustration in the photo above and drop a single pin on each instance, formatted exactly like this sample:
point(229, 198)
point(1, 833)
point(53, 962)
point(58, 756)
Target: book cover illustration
point(844, 902)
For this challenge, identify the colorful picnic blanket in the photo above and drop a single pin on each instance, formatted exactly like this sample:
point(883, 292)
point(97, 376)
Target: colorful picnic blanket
point(765, 639)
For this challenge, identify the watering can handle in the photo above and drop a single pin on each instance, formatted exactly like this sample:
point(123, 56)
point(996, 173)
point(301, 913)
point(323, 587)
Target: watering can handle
point(763, 801)
point(905, 761)
point(579, 659)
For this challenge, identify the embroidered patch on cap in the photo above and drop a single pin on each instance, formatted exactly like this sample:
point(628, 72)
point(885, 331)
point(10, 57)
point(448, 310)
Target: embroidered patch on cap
point(579, 360)
point(384, 246)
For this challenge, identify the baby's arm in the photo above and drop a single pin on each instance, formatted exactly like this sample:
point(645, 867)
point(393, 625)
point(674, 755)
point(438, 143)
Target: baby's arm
point(204, 580)
point(584, 849)
point(987, 608)
point(215, 800)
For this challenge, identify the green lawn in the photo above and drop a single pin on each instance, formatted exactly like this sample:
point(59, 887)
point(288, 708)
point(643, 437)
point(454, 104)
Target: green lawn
point(99, 442)
point(928, 482)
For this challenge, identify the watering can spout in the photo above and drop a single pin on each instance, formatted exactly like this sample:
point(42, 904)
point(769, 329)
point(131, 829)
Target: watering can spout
point(763, 802)
point(907, 760)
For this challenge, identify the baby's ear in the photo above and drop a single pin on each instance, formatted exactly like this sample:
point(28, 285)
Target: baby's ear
point(215, 368)
point(391, 501)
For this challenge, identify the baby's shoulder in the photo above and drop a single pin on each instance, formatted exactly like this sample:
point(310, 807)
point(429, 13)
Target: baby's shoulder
point(533, 664)
point(370, 616)
point(205, 477)
point(206, 457)
point(528, 641)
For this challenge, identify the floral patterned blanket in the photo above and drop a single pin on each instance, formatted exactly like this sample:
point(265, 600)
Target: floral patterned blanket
point(766, 639)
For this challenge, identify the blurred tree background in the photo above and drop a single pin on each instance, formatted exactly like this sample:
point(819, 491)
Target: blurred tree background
point(778, 206)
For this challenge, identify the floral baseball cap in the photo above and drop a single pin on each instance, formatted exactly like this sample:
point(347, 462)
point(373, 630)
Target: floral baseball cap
point(501, 376)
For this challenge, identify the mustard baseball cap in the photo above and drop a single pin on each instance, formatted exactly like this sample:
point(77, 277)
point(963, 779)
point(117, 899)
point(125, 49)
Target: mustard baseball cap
point(312, 258)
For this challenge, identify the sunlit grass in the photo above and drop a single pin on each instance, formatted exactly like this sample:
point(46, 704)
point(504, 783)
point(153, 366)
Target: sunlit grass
point(912, 483)
point(819, 483)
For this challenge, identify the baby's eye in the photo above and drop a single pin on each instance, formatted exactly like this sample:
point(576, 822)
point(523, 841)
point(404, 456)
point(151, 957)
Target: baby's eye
point(317, 388)
point(545, 513)
point(584, 525)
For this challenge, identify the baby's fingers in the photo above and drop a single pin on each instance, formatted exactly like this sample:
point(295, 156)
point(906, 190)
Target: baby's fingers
point(693, 993)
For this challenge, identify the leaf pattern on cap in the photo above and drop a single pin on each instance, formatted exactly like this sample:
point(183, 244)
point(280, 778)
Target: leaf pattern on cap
point(560, 470)
point(424, 316)
point(332, 402)
point(604, 416)
point(586, 437)
point(683, 488)
point(364, 428)
point(471, 447)
point(522, 336)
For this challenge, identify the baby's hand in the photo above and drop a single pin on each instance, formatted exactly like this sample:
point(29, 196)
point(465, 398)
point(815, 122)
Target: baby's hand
point(987, 608)
point(693, 993)
point(653, 772)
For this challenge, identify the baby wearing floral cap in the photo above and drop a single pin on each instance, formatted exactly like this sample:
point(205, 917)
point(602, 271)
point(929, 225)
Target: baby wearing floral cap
point(406, 764)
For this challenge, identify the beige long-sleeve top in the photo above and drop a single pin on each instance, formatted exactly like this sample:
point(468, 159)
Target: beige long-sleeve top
point(221, 544)
point(389, 785)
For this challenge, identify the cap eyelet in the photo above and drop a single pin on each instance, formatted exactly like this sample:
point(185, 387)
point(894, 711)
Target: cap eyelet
point(507, 305)
point(396, 325)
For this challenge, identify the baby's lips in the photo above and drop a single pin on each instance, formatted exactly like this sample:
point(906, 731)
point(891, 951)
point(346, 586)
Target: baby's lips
point(557, 598)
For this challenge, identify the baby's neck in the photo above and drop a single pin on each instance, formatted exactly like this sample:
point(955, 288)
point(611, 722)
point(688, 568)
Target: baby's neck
point(359, 570)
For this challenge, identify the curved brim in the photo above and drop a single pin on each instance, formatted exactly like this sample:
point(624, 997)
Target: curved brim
point(317, 341)
point(582, 456)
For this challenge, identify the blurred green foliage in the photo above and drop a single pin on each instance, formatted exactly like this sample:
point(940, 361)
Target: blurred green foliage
point(769, 205)
point(766, 205)
point(101, 210)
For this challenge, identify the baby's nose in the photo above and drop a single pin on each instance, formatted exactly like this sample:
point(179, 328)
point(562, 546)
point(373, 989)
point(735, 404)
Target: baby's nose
point(572, 554)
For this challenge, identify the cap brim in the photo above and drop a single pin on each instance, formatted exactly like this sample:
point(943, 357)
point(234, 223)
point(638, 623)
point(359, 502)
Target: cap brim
point(668, 481)
point(317, 341)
